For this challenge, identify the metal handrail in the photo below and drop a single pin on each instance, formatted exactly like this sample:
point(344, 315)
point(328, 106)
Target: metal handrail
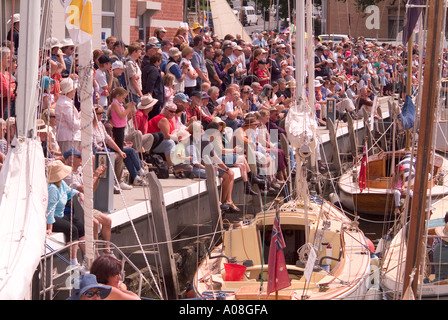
point(57, 253)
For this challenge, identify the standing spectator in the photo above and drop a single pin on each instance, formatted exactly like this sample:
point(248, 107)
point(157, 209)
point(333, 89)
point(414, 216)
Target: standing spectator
point(152, 83)
point(276, 70)
point(7, 86)
point(68, 119)
point(180, 37)
point(133, 74)
point(104, 67)
point(229, 70)
point(172, 67)
point(110, 42)
point(118, 51)
point(150, 50)
point(198, 62)
point(160, 33)
point(13, 34)
point(190, 73)
point(119, 115)
point(68, 49)
point(209, 53)
point(166, 45)
point(117, 71)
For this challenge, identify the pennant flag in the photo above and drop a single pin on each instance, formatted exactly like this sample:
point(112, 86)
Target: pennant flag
point(412, 15)
point(78, 20)
point(362, 181)
point(278, 274)
point(407, 115)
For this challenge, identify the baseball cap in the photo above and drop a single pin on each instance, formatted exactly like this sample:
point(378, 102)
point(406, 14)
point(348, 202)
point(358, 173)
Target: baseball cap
point(71, 152)
point(182, 97)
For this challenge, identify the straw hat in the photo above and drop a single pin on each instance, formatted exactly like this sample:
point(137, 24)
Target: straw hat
point(67, 43)
point(161, 29)
point(147, 102)
point(174, 52)
point(218, 120)
point(52, 43)
point(250, 121)
point(41, 126)
point(57, 171)
point(170, 106)
point(153, 40)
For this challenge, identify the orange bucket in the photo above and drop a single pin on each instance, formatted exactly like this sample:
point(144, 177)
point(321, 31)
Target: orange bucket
point(234, 272)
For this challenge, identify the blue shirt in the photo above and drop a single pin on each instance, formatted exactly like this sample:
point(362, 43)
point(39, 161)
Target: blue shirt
point(57, 199)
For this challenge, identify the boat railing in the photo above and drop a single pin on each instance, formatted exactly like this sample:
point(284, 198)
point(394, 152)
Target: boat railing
point(47, 264)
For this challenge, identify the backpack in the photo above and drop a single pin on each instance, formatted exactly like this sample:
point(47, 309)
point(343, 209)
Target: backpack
point(157, 161)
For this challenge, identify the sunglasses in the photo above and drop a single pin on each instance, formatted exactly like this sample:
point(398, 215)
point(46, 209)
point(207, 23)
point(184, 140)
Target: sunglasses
point(91, 294)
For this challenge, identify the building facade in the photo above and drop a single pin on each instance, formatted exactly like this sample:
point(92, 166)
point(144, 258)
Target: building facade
point(127, 20)
point(382, 21)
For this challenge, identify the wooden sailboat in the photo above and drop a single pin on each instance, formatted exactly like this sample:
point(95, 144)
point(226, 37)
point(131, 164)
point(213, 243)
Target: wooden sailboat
point(377, 197)
point(326, 255)
point(406, 271)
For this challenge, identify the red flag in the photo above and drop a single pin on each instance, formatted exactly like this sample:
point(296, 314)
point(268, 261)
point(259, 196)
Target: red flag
point(363, 170)
point(278, 274)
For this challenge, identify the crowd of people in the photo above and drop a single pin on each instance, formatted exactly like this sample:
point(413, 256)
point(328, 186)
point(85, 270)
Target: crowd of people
point(183, 97)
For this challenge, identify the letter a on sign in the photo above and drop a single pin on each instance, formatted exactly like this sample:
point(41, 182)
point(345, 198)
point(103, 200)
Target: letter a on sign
point(78, 19)
point(373, 21)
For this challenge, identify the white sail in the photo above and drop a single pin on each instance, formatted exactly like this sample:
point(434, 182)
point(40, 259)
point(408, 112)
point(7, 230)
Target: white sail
point(23, 205)
point(23, 186)
point(225, 21)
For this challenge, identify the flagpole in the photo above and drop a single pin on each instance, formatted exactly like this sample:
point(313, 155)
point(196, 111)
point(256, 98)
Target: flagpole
point(277, 205)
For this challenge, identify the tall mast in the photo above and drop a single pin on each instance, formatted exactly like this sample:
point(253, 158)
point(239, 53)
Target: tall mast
point(28, 66)
point(423, 165)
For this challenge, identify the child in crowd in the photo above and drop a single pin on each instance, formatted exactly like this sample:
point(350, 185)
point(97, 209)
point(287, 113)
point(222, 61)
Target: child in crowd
point(168, 82)
point(119, 114)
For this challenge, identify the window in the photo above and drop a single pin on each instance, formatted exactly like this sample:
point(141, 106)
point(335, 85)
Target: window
point(108, 16)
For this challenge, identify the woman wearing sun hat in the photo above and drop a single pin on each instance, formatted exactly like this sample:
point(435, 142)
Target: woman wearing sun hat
point(58, 195)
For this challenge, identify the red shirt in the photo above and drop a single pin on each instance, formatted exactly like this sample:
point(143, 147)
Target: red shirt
point(153, 124)
point(141, 122)
point(200, 116)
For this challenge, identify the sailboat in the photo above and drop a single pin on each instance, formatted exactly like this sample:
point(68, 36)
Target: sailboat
point(23, 187)
point(407, 267)
point(377, 197)
point(326, 256)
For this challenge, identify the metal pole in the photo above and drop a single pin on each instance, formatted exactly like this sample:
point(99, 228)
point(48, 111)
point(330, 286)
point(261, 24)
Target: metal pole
point(423, 165)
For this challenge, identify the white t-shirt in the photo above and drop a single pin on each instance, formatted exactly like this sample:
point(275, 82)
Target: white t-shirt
point(189, 82)
point(100, 77)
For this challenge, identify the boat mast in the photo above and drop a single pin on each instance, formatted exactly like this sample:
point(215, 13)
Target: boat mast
point(28, 66)
point(425, 139)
